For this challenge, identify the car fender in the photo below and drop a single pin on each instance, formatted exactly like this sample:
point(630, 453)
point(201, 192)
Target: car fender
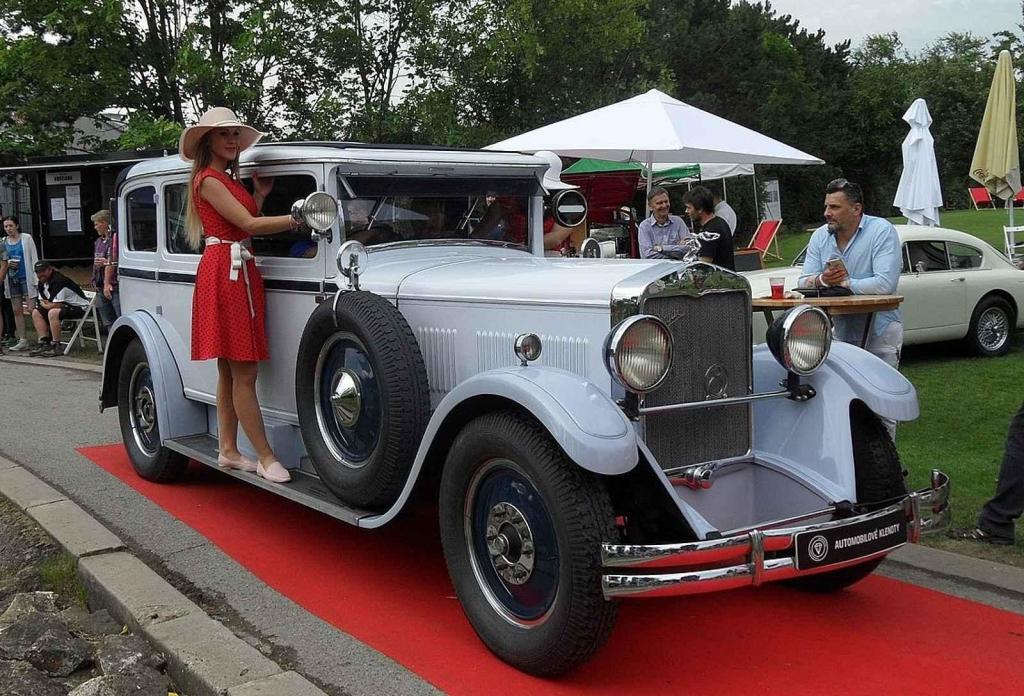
point(812, 439)
point(177, 415)
point(584, 421)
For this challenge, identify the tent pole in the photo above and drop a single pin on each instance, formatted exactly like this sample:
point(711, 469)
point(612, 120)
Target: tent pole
point(1009, 204)
point(757, 210)
point(650, 176)
point(725, 190)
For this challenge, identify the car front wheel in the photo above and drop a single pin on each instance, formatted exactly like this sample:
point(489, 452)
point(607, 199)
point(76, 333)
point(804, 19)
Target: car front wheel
point(991, 329)
point(522, 527)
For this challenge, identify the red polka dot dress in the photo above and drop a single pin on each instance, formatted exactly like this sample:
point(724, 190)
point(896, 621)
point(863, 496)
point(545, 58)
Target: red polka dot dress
point(225, 324)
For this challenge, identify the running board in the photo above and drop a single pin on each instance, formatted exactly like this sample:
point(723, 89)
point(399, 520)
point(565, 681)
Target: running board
point(305, 489)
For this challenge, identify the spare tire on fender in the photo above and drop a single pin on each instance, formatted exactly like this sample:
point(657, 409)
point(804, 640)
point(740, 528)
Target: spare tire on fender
point(362, 397)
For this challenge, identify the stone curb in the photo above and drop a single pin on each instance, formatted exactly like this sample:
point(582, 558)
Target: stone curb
point(53, 362)
point(203, 656)
point(995, 577)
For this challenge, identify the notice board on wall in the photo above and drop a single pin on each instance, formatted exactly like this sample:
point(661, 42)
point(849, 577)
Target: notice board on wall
point(64, 196)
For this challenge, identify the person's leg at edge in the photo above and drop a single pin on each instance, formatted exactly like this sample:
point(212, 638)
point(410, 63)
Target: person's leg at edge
point(1007, 505)
point(227, 419)
point(17, 304)
point(888, 346)
point(247, 407)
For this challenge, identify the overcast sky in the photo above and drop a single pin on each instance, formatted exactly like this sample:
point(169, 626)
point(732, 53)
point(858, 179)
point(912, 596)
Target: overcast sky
point(918, 22)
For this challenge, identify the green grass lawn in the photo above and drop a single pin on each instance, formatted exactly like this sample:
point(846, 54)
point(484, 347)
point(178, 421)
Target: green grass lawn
point(966, 406)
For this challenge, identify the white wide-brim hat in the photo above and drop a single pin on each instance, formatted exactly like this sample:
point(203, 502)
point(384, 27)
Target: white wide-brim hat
point(217, 117)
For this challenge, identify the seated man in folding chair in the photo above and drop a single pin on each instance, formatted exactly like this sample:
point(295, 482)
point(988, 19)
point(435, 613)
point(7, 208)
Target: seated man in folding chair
point(58, 299)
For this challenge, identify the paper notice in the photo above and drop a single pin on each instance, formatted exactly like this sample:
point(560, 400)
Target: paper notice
point(73, 196)
point(57, 209)
point(74, 220)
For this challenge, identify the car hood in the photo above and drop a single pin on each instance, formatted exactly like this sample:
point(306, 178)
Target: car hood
point(491, 275)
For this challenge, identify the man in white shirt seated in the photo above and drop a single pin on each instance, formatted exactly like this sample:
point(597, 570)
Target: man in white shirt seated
point(58, 299)
point(724, 210)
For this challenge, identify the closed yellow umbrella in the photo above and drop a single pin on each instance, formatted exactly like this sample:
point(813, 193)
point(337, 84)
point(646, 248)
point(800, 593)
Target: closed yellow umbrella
point(996, 162)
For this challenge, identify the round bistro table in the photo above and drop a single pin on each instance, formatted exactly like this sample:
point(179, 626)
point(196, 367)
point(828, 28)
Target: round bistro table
point(833, 306)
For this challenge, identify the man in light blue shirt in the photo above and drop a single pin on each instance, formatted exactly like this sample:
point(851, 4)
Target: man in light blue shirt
point(661, 235)
point(870, 250)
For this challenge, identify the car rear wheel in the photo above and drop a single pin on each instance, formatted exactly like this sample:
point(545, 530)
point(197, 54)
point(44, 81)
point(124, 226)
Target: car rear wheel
point(991, 331)
point(137, 415)
point(880, 481)
point(522, 527)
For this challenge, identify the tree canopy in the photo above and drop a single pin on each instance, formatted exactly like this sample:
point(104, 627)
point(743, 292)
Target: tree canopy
point(470, 72)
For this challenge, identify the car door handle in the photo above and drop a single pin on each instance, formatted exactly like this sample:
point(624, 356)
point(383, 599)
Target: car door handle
point(958, 280)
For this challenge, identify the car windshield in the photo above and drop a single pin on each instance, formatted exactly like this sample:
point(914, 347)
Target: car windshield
point(386, 209)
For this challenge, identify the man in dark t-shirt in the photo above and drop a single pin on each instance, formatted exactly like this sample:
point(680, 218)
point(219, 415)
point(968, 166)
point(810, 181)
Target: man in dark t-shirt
point(712, 231)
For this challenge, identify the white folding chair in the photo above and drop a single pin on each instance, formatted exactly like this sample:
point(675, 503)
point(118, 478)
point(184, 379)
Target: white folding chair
point(91, 313)
point(1014, 239)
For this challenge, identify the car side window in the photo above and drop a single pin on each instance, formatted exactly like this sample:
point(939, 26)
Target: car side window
point(927, 256)
point(175, 212)
point(286, 189)
point(142, 219)
point(963, 256)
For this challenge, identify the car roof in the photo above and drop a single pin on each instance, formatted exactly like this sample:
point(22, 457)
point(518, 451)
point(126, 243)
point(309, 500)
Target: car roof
point(337, 152)
point(915, 233)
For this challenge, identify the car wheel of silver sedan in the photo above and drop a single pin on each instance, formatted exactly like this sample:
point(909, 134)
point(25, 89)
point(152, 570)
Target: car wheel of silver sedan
point(992, 326)
point(522, 527)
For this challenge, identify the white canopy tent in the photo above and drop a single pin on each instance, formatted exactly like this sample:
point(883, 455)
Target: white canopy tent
point(919, 195)
point(653, 128)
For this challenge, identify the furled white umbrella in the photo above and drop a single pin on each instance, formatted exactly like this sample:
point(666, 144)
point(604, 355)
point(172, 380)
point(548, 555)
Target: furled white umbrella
point(919, 196)
point(653, 127)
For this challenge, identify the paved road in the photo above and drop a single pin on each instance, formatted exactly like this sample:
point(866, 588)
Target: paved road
point(47, 412)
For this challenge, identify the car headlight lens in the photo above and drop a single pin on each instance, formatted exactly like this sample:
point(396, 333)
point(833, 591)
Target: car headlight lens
point(800, 339)
point(639, 353)
point(317, 211)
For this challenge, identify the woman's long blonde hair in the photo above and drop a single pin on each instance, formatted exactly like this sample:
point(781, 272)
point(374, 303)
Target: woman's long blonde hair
point(202, 160)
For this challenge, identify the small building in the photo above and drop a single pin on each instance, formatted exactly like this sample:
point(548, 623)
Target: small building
point(53, 198)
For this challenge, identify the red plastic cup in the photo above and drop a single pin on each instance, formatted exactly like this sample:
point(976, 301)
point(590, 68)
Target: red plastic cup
point(778, 287)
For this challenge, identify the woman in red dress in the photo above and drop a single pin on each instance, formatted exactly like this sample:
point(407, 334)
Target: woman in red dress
point(228, 303)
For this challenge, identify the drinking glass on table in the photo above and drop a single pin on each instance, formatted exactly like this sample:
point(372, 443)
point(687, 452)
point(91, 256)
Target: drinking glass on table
point(778, 287)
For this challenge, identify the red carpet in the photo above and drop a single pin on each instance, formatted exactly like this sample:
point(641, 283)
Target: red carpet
point(389, 588)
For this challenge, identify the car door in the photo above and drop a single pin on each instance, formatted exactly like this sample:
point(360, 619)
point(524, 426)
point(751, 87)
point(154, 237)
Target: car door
point(936, 299)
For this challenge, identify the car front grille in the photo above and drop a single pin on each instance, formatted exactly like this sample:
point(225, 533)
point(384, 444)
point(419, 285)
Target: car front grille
point(711, 334)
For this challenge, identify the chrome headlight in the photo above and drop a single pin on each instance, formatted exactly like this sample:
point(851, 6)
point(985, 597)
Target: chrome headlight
point(639, 353)
point(317, 211)
point(800, 339)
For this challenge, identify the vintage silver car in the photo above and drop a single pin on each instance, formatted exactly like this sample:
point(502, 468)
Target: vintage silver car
point(591, 429)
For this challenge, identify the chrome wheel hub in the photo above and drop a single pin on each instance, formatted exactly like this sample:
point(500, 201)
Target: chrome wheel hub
point(993, 329)
point(510, 543)
point(145, 409)
point(346, 399)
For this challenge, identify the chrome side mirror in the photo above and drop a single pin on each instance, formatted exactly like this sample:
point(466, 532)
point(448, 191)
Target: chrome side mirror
point(919, 267)
point(318, 211)
point(352, 260)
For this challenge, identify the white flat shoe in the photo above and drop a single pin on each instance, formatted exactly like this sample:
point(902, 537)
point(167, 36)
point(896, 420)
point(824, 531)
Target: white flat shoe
point(242, 464)
point(274, 472)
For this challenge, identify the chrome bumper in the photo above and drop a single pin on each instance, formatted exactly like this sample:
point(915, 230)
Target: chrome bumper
point(700, 566)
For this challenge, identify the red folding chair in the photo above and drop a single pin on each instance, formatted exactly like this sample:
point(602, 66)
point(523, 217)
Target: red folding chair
point(1019, 198)
point(980, 196)
point(764, 237)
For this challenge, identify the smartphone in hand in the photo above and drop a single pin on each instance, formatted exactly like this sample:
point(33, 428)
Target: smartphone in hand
point(837, 263)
